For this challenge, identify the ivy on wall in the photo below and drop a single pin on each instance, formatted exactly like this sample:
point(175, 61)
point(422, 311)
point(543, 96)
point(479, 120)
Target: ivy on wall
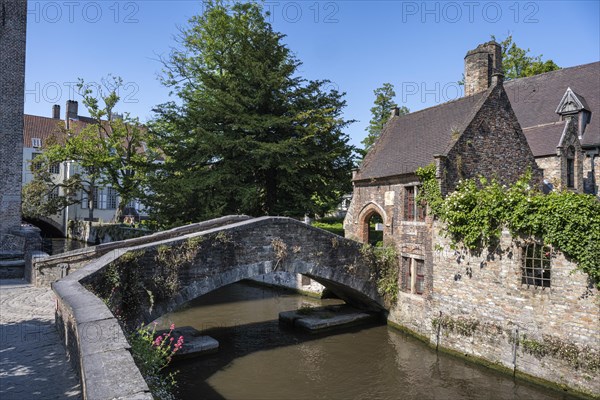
point(383, 262)
point(476, 212)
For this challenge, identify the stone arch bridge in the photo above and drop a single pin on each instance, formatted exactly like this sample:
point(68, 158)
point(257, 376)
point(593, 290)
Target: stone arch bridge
point(143, 278)
point(163, 275)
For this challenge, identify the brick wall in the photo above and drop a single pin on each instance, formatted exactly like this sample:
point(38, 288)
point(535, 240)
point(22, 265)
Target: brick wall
point(13, 16)
point(489, 306)
point(492, 145)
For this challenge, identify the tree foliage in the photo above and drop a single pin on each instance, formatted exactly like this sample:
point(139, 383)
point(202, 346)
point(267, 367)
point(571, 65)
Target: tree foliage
point(517, 63)
point(108, 151)
point(46, 194)
point(476, 212)
point(247, 135)
point(113, 146)
point(380, 113)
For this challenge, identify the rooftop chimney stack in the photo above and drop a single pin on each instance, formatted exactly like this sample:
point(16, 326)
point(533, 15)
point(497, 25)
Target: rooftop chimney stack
point(481, 64)
point(395, 111)
point(56, 111)
point(72, 109)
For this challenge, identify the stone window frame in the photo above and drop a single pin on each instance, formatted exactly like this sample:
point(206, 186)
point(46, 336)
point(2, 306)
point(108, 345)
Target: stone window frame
point(35, 165)
point(100, 199)
point(412, 280)
point(412, 211)
point(111, 198)
point(570, 163)
point(536, 265)
point(54, 193)
point(54, 168)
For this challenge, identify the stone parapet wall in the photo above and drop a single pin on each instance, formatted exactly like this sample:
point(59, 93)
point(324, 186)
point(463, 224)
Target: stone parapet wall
point(95, 343)
point(46, 270)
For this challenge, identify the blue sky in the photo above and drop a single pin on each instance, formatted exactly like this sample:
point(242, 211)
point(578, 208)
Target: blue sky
point(358, 45)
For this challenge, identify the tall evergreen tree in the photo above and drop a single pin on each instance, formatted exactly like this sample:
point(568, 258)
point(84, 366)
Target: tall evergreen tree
point(380, 113)
point(247, 135)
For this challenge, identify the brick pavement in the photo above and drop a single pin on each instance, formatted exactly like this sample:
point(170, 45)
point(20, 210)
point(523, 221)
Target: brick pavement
point(33, 363)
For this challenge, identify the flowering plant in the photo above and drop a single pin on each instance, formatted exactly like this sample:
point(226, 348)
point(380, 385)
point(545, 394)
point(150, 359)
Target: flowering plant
point(152, 353)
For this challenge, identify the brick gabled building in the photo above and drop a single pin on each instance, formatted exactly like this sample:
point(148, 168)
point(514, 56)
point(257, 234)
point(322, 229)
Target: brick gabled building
point(548, 124)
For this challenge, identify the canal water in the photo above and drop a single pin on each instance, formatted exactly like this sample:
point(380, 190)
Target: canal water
point(259, 359)
point(52, 245)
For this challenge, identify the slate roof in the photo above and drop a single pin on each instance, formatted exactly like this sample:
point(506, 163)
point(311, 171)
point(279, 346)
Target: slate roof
point(543, 139)
point(535, 99)
point(410, 141)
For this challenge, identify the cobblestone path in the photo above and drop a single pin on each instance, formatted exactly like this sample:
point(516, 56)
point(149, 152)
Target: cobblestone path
point(33, 361)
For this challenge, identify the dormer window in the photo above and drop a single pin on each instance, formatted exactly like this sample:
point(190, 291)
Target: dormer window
point(574, 106)
point(36, 143)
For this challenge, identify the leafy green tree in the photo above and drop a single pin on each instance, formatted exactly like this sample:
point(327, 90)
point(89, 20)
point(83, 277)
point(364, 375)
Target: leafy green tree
point(517, 63)
point(46, 195)
point(247, 135)
point(380, 113)
point(108, 151)
point(113, 147)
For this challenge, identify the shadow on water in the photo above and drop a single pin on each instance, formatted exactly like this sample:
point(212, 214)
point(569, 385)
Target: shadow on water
point(256, 337)
point(260, 359)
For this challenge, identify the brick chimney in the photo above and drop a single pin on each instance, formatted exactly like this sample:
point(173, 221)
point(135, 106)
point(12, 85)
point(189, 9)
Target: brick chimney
point(481, 64)
point(56, 111)
point(71, 112)
point(72, 109)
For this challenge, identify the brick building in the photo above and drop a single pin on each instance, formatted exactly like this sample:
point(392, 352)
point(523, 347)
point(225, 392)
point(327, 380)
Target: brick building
point(13, 21)
point(546, 123)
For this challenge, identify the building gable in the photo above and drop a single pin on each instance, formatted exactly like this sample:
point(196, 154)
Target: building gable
point(492, 145)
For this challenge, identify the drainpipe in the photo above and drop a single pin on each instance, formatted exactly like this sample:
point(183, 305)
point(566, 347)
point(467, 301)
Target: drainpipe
point(66, 211)
point(593, 154)
point(515, 345)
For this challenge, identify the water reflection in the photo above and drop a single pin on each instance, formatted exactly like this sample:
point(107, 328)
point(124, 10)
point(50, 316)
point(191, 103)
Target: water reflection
point(258, 359)
point(53, 246)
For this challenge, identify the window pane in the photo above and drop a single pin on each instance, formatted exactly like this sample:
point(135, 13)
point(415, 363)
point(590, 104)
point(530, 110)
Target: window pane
point(536, 265)
point(409, 203)
point(420, 284)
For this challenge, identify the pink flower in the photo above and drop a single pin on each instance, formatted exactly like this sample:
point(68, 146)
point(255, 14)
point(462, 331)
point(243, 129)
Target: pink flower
point(172, 326)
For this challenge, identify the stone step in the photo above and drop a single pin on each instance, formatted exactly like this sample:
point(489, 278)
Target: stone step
point(8, 255)
point(12, 263)
point(11, 269)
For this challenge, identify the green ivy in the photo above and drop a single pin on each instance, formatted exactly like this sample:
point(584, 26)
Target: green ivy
point(476, 212)
point(384, 263)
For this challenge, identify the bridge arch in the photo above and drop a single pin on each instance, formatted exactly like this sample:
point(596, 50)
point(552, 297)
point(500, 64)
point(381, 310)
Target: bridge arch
point(48, 226)
point(170, 273)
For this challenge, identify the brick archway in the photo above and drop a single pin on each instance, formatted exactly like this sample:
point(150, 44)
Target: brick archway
point(364, 217)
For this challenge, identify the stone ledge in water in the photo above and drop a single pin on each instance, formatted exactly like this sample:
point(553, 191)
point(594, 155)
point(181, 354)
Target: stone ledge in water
point(317, 319)
point(194, 343)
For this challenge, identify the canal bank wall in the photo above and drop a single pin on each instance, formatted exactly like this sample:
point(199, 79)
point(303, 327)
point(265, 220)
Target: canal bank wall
point(477, 306)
